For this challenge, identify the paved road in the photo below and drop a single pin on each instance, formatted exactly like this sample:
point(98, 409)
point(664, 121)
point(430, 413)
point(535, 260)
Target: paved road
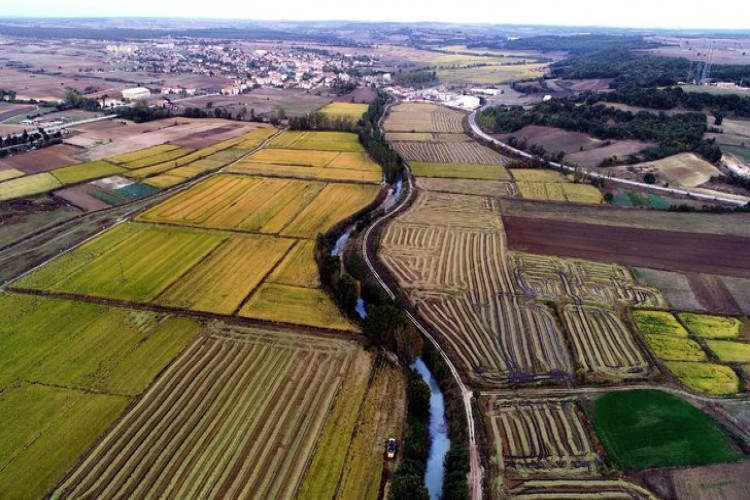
point(476, 471)
point(625, 182)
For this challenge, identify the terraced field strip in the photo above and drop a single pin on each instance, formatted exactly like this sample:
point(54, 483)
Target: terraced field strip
point(85, 172)
point(602, 344)
point(319, 141)
point(28, 185)
point(467, 186)
point(165, 156)
point(581, 488)
point(449, 152)
point(540, 438)
point(143, 153)
point(214, 424)
point(460, 171)
point(505, 339)
point(298, 267)
point(350, 110)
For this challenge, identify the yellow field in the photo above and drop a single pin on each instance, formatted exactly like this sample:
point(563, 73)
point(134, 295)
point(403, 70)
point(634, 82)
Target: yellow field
point(166, 156)
point(537, 175)
point(163, 181)
point(671, 348)
point(345, 166)
point(710, 378)
point(293, 157)
point(255, 204)
point(712, 327)
point(540, 191)
point(11, 173)
point(320, 141)
point(29, 185)
point(300, 306)
point(298, 268)
point(85, 172)
point(220, 282)
point(255, 138)
point(539, 184)
point(345, 109)
point(334, 203)
point(730, 352)
point(492, 74)
point(658, 323)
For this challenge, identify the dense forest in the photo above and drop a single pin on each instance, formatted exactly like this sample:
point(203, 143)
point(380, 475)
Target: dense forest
point(674, 97)
point(673, 134)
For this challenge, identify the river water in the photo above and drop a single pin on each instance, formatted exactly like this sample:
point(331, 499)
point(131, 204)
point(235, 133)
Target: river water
point(439, 441)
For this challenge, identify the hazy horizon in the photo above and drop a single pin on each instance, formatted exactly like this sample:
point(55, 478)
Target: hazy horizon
point(639, 14)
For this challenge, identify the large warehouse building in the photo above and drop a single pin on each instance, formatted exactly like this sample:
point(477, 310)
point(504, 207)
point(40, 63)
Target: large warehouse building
point(136, 93)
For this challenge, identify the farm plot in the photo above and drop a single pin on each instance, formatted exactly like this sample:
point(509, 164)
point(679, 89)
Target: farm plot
point(449, 152)
point(143, 153)
point(504, 340)
point(551, 278)
point(537, 184)
point(169, 155)
point(712, 327)
point(10, 173)
point(467, 186)
point(318, 141)
point(70, 369)
point(580, 488)
point(30, 185)
point(131, 262)
point(419, 117)
point(460, 170)
point(303, 158)
point(426, 137)
point(257, 204)
point(602, 345)
point(346, 166)
point(298, 267)
point(213, 424)
point(646, 428)
point(85, 172)
point(539, 438)
point(352, 111)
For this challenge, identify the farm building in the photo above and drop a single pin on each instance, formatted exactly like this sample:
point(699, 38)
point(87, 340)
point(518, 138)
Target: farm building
point(136, 93)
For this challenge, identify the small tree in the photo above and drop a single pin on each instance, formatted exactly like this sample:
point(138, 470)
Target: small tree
point(649, 178)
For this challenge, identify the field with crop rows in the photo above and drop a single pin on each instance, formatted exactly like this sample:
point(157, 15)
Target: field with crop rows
point(460, 170)
point(85, 172)
point(712, 327)
point(345, 166)
point(419, 117)
point(426, 137)
point(215, 422)
point(533, 438)
point(466, 186)
point(10, 173)
point(150, 160)
point(449, 152)
point(603, 346)
point(143, 153)
point(318, 141)
point(538, 184)
point(70, 369)
point(580, 488)
point(578, 281)
point(29, 185)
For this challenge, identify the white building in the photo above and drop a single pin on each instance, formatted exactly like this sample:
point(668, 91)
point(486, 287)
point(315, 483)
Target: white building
point(136, 93)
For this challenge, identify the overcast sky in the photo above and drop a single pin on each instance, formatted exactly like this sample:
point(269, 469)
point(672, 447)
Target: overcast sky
point(723, 14)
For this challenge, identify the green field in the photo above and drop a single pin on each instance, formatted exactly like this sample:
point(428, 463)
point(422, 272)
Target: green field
point(730, 352)
point(29, 185)
point(460, 170)
point(641, 429)
point(658, 323)
point(56, 352)
point(671, 348)
point(345, 109)
point(85, 172)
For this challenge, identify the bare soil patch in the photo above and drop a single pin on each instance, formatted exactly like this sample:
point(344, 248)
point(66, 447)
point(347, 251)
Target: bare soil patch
point(713, 294)
point(555, 139)
point(594, 157)
point(43, 160)
point(670, 250)
point(360, 94)
point(78, 196)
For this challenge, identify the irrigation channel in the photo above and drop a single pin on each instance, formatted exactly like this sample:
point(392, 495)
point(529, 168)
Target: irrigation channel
point(439, 441)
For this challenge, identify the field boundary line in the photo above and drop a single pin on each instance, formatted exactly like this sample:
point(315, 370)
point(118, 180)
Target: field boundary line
point(249, 295)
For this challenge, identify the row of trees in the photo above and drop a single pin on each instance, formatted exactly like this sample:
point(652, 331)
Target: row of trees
point(373, 141)
point(674, 97)
point(319, 121)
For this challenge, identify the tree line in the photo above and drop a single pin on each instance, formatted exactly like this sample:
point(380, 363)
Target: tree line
point(674, 97)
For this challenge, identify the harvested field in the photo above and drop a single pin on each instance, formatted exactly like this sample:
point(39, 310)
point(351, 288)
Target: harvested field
point(298, 267)
point(460, 170)
point(577, 281)
point(295, 305)
point(449, 152)
point(712, 481)
point(466, 186)
point(670, 250)
point(426, 137)
point(318, 141)
point(593, 157)
point(149, 161)
point(602, 345)
point(142, 154)
point(554, 139)
point(79, 197)
point(714, 294)
point(538, 175)
point(503, 340)
point(348, 110)
point(213, 423)
point(30, 185)
point(420, 117)
point(537, 184)
point(43, 160)
point(647, 428)
point(683, 170)
point(85, 172)
point(580, 488)
point(532, 438)
point(221, 281)
point(674, 286)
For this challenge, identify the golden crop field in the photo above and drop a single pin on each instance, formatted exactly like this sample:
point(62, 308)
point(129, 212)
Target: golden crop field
point(293, 157)
point(449, 152)
point(295, 305)
point(143, 153)
point(29, 185)
point(466, 186)
point(163, 157)
point(163, 181)
point(538, 184)
point(10, 173)
point(298, 267)
point(221, 282)
point(537, 175)
point(353, 111)
point(334, 203)
point(213, 423)
point(318, 141)
point(345, 166)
